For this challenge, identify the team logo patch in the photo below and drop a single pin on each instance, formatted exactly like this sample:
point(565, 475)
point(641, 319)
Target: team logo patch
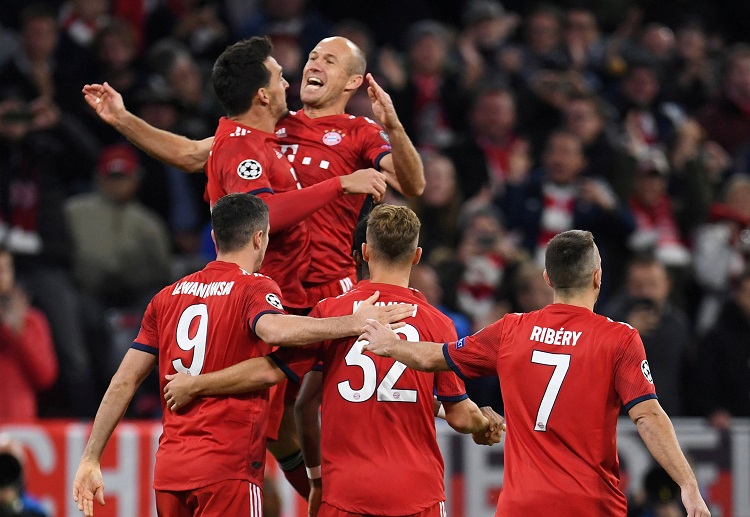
point(332, 138)
point(460, 343)
point(281, 132)
point(646, 371)
point(249, 170)
point(274, 301)
point(385, 137)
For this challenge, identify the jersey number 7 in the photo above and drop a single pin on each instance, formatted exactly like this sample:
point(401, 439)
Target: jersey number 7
point(561, 362)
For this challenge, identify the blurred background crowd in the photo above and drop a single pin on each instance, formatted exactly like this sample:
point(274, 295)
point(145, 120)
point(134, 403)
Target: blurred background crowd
point(629, 119)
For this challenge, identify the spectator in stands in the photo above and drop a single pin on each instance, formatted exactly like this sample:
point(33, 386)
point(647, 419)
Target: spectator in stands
point(202, 28)
point(35, 157)
point(722, 248)
point(663, 327)
point(484, 156)
point(530, 291)
point(429, 95)
point(14, 500)
point(724, 360)
point(727, 119)
point(28, 363)
point(586, 48)
point(424, 279)
point(117, 51)
point(438, 206)
point(695, 74)
point(557, 198)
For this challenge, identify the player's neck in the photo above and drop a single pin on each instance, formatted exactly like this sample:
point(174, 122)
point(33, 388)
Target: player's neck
point(326, 111)
point(257, 118)
point(391, 276)
point(246, 261)
point(585, 300)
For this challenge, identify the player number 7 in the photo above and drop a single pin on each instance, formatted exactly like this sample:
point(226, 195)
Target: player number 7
point(561, 362)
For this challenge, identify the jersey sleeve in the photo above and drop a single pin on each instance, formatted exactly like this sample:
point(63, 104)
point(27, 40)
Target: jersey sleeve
point(374, 143)
point(147, 339)
point(448, 387)
point(241, 168)
point(261, 297)
point(632, 375)
point(475, 356)
point(295, 362)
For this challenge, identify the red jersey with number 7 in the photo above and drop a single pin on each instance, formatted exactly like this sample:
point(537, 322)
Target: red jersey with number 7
point(243, 159)
point(323, 148)
point(565, 373)
point(380, 453)
point(205, 323)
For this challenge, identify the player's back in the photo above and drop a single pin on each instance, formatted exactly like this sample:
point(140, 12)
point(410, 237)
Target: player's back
point(562, 371)
point(246, 160)
point(202, 326)
point(322, 148)
point(380, 454)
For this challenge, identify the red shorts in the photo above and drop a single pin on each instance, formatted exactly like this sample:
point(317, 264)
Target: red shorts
point(436, 510)
point(316, 293)
point(231, 497)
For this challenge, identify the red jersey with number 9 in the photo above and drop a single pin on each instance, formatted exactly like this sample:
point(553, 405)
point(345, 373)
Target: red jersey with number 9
point(380, 452)
point(323, 148)
point(565, 372)
point(205, 323)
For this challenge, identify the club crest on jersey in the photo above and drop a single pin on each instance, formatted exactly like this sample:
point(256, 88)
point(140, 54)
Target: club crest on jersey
point(333, 137)
point(646, 371)
point(249, 170)
point(274, 301)
point(281, 132)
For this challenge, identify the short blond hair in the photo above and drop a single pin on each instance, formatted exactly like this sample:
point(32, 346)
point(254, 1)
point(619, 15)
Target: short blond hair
point(393, 232)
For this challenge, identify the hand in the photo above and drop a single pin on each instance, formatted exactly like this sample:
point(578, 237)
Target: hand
point(384, 314)
point(46, 113)
point(315, 497)
point(392, 68)
point(365, 181)
point(519, 162)
point(106, 101)
point(87, 486)
point(694, 503)
point(179, 391)
point(14, 315)
point(382, 105)
point(379, 338)
point(643, 320)
point(597, 194)
point(495, 430)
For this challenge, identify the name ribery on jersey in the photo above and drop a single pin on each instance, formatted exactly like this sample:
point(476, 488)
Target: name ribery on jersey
point(202, 290)
point(560, 337)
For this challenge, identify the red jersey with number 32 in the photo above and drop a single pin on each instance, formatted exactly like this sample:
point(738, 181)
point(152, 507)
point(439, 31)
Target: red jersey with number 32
point(565, 372)
point(379, 450)
point(243, 159)
point(323, 148)
point(205, 323)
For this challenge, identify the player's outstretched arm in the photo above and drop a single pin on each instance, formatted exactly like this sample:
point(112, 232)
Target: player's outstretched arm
point(176, 150)
point(423, 356)
point(466, 417)
point(250, 375)
point(287, 330)
point(403, 167)
point(88, 483)
point(658, 434)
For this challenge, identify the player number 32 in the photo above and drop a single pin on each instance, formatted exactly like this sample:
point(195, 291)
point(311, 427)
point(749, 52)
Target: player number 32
point(385, 391)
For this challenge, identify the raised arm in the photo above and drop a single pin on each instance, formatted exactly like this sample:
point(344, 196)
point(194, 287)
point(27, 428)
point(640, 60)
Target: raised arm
point(88, 483)
point(423, 356)
point(403, 167)
point(658, 434)
point(176, 150)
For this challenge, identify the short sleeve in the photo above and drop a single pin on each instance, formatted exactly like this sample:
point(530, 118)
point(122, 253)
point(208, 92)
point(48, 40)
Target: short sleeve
point(295, 362)
point(243, 168)
point(147, 339)
point(262, 296)
point(374, 143)
point(449, 388)
point(475, 356)
point(632, 375)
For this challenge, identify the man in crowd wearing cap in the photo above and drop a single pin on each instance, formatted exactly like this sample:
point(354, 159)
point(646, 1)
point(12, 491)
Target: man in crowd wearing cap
point(121, 252)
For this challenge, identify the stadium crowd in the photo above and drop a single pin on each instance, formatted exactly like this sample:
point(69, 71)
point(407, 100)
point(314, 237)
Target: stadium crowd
point(531, 119)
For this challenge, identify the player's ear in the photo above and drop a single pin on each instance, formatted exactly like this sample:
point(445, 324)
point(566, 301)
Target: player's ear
point(213, 238)
point(263, 96)
point(258, 239)
point(546, 279)
point(417, 256)
point(354, 82)
point(598, 278)
point(365, 252)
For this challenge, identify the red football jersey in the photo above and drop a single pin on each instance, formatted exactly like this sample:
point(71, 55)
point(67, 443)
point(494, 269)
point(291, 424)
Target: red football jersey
point(565, 372)
point(323, 148)
point(247, 160)
point(379, 451)
point(204, 323)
